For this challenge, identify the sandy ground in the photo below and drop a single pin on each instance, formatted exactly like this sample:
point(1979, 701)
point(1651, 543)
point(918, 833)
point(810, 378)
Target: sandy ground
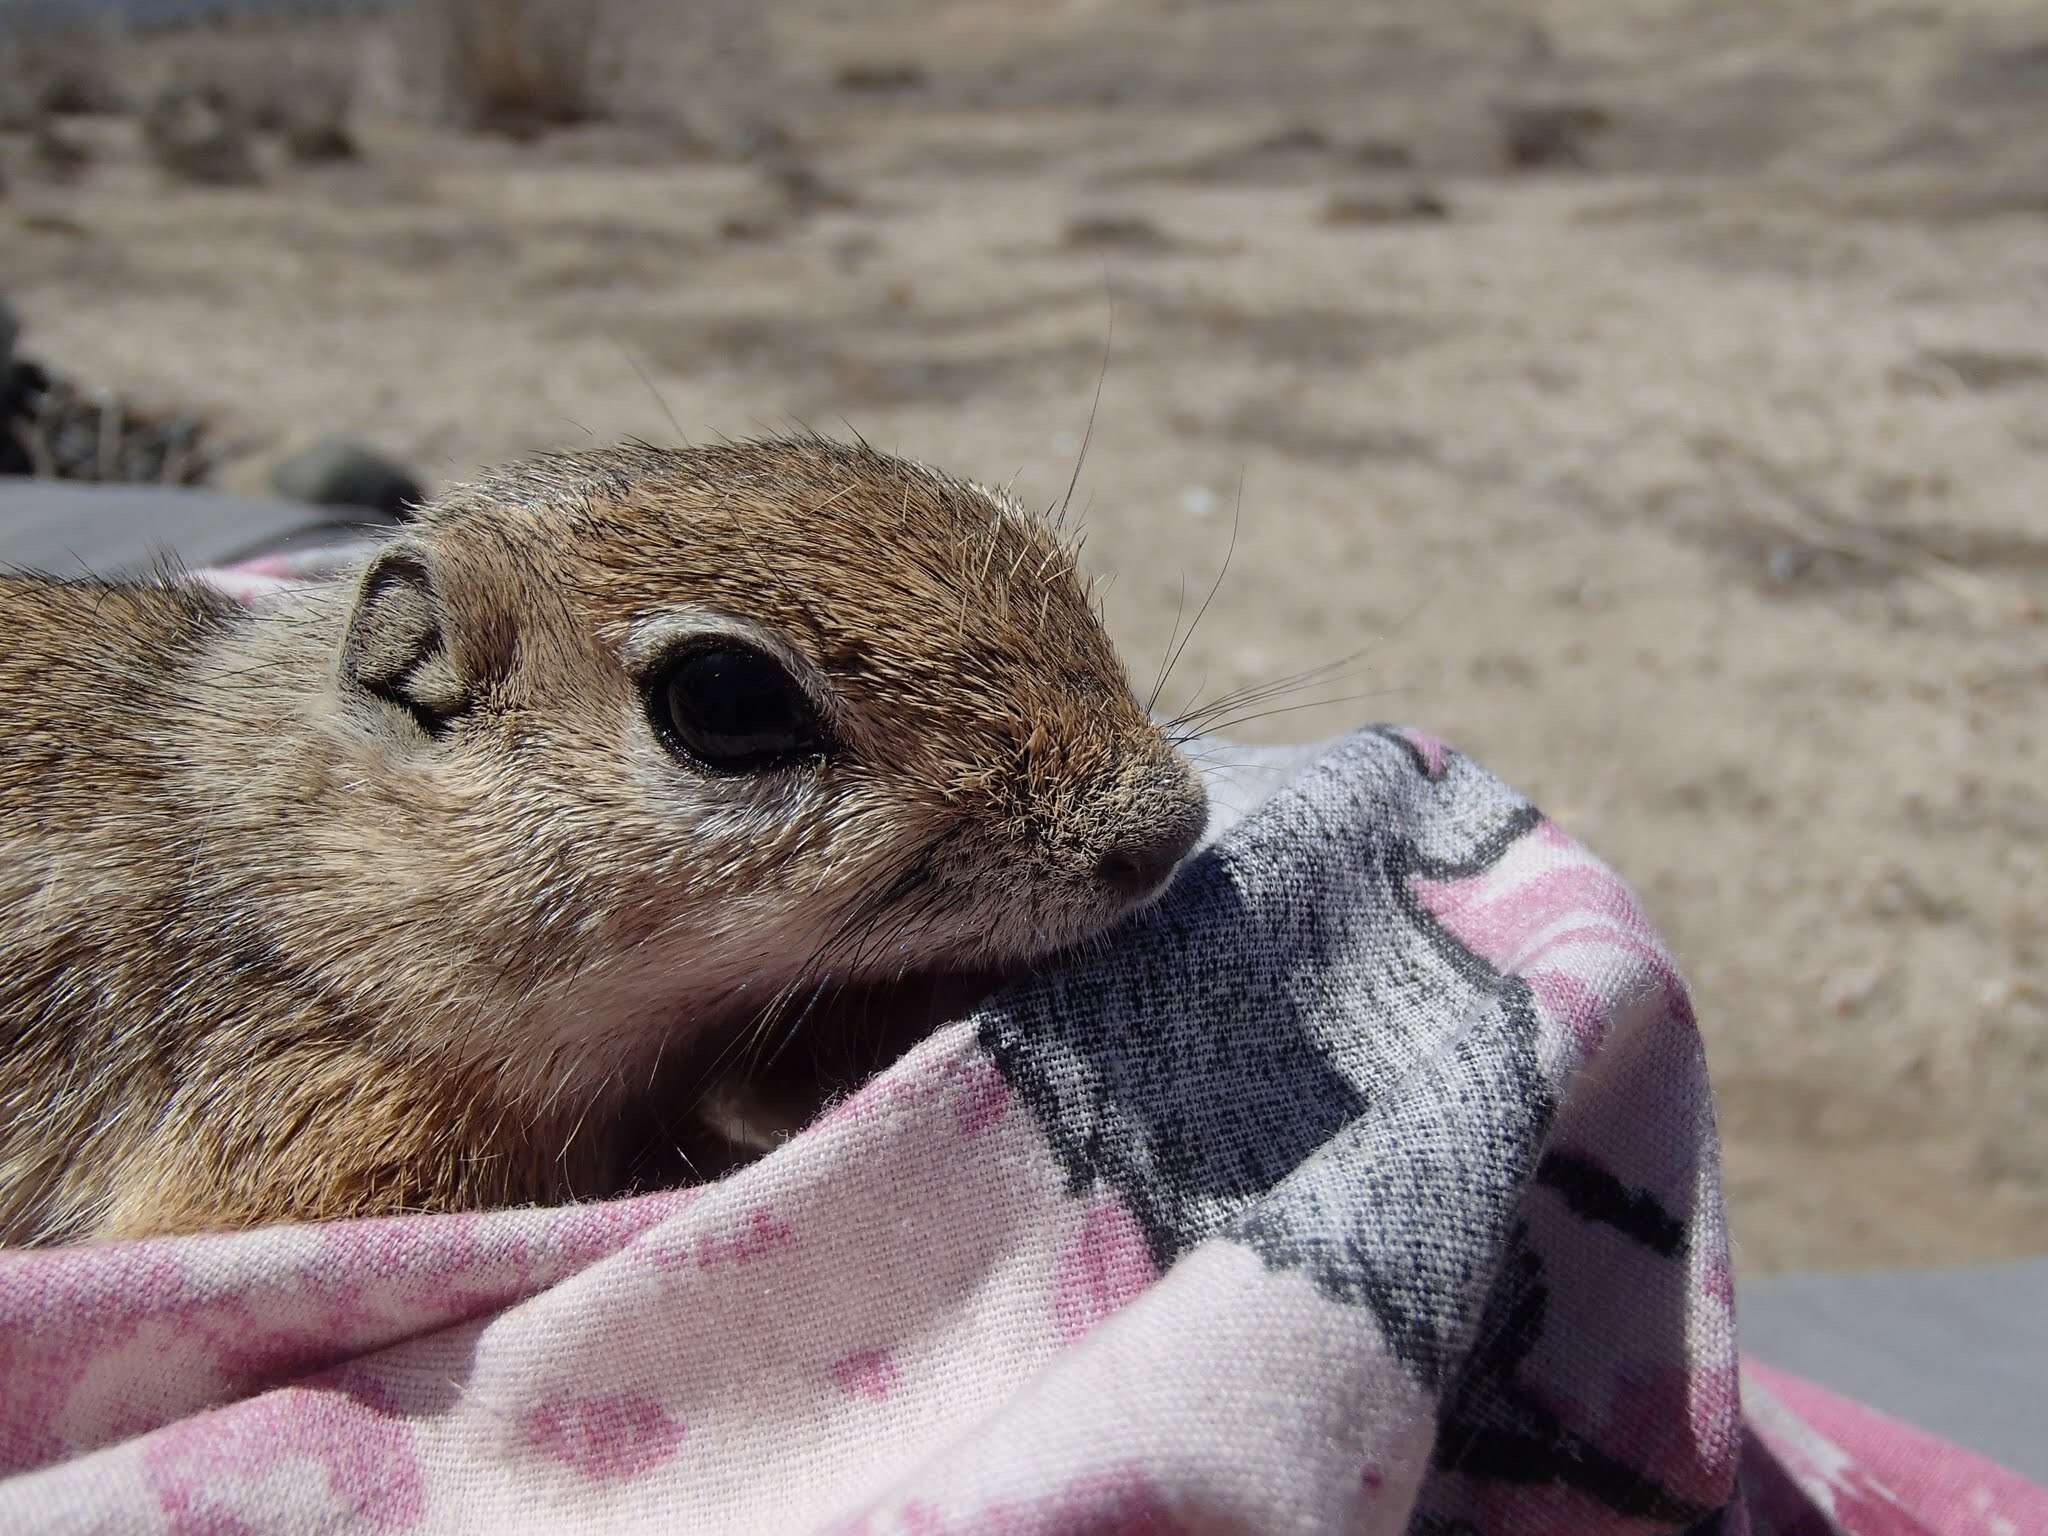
point(1701, 490)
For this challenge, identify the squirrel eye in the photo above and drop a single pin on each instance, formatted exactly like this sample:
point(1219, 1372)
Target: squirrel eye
point(732, 709)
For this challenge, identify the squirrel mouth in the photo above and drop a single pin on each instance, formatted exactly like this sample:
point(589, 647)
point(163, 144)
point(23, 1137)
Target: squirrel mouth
point(754, 1083)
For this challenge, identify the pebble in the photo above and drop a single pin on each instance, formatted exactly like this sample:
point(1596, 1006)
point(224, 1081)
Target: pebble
point(341, 472)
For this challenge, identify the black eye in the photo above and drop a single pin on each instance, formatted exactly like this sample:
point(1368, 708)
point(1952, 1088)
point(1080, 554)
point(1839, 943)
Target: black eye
point(734, 710)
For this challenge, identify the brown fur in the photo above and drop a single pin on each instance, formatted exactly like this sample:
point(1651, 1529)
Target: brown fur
point(272, 950)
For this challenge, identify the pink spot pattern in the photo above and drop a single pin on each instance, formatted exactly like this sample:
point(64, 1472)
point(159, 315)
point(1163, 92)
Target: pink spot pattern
point(916, 1266)
point(1810, 1452)
point(983, 1098)
point(975, 1092)
point(609, 1438)
point(1555, 916)
point(1434, 753)
point(756, 1235)
point(211, 1320)
point(866, 1373)
point(347, 1428)
point(1106, 1267)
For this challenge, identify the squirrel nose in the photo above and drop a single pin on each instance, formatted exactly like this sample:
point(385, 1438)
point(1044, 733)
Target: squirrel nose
point(1137, 868)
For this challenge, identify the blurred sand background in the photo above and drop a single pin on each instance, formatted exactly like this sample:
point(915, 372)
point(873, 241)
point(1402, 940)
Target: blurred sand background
point(1693, 475)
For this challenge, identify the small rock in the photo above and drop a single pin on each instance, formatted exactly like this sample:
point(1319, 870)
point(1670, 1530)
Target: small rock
point(853, 252)
point(55, 155)
point(339, 472)
point(1295, 139)
point(1786, 563)
point(880, 77)
point(1988, 368)
point(63, 66)
point(743, 226)
point(1503, 667)
point(803, 189)
point(196, 133)
point(1850, 990)
point(313, 140)
point(1894, 891)
point(312, 118)
point(1549, 133)
point(76, 448)
point(1382, 154)
point(1131, 232)
point(1415, 204)
point(759, 138)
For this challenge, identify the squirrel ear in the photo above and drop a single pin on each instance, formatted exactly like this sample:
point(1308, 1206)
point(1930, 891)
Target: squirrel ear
point(397, 647)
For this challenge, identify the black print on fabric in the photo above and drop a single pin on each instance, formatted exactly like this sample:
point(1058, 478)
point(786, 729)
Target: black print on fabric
point(1289, 1052)
point(1593, 1194)
point(1492, 1426)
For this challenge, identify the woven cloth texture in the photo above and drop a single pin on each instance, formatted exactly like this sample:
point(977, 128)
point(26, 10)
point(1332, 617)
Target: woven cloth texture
point(1368, 1182)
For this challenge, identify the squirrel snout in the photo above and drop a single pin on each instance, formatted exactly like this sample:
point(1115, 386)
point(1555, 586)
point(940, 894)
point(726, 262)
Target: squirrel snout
point(1137, 865)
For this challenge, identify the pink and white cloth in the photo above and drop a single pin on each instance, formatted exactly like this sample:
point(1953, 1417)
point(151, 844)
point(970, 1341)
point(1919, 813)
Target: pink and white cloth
point(1368, 1183)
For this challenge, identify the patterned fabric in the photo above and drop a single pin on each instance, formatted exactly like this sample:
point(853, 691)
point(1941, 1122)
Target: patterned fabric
point(1368, 1183)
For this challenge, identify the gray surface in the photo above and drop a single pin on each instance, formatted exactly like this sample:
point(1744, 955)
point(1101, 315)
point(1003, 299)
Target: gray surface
point(1962, 1353)
point(113, 530)
point(162, 13)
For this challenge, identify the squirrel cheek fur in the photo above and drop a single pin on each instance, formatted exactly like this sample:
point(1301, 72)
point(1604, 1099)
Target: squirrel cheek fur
point(394, 898)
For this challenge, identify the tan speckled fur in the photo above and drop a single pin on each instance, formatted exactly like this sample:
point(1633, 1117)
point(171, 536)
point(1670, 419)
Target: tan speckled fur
point(271, 950)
